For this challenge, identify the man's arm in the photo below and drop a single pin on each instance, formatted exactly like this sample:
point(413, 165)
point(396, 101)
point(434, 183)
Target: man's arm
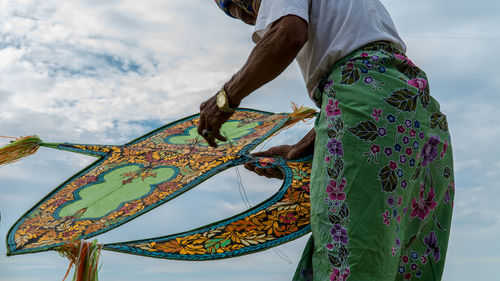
point(271, 56)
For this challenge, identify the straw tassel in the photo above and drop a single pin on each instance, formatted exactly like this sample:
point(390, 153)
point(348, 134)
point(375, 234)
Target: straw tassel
point(299, 114)
point(85, 256)
point(19, 148)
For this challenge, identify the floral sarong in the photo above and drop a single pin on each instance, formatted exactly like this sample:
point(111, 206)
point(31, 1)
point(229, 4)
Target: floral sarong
point(382, 183)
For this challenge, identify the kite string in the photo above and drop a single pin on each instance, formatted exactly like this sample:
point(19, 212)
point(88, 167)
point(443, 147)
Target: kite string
point(241, 187)
point(244, 197)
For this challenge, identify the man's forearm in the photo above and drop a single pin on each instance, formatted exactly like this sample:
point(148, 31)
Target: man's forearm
point(269, 58)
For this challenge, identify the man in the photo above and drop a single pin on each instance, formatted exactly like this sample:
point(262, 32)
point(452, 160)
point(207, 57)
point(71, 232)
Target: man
point(382, 182)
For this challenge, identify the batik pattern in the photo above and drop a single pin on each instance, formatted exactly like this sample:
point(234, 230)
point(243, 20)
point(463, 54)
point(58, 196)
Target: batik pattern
point(382, 184)
point(338, 209)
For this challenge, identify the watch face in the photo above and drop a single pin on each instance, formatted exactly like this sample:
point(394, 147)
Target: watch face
point(221, 100)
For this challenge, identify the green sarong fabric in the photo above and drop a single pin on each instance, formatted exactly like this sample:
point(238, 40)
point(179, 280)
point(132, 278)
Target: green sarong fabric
point(382, 183)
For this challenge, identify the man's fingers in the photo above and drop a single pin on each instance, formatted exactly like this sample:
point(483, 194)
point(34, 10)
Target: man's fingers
point(211, 141)
point(280, 151)
point(249, 166)
point(268, 172)
point(262, 154)
point(261, 172)
point(201, 125)
point(219, 136)
point(274, 173)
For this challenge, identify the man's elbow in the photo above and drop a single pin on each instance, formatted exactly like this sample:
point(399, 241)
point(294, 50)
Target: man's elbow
point(294, 31)
point(297, 40)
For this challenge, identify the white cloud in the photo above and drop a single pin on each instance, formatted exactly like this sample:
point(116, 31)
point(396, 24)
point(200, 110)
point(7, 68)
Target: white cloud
point(109, 71)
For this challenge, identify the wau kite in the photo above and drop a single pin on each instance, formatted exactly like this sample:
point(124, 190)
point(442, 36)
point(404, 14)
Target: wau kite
point(129, 180)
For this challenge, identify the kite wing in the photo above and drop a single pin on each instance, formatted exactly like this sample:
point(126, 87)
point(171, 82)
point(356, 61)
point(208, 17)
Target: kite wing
point(132, 179)
point(281, 218)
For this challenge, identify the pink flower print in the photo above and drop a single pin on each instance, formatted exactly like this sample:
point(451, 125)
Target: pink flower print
point(386, 217)
point(346, 274)
point(400, 200)
point(335, 276)
point(332, 108)
point(419, 83)
point(334, 190)
point(423, 259)
point(375, 149)
point(413, 133)
point(267, 162)
point(408, 151)
point(364, 55)
point(398, 219)
point(423, 207)
point(393, 165)
point(405, 59)
point(288, 218)
point(327, 159)
point(445, 147)
point(329, 246)
point(429, 150)
point(376, 114)
point(405, 259)
point(401, 129)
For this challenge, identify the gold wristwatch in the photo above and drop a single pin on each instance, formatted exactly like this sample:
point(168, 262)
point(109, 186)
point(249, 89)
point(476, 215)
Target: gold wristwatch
point(223, 102)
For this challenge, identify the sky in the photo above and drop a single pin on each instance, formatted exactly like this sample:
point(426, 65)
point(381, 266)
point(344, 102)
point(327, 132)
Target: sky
point(106, 72)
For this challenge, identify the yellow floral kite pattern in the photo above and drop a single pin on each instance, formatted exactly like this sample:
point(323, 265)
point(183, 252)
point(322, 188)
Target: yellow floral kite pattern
point(144, 161)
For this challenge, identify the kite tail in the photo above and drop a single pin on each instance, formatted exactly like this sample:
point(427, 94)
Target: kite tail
point(19, 148)
point(85, 256)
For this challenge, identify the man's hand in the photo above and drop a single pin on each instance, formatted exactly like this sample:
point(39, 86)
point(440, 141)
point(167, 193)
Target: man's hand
point(211, 120)
point(303, 148)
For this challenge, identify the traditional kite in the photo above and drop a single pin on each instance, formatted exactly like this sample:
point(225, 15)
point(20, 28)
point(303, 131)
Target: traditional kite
point(129, 180)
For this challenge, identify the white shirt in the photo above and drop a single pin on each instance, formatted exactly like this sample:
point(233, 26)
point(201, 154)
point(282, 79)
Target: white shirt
point(336, 28)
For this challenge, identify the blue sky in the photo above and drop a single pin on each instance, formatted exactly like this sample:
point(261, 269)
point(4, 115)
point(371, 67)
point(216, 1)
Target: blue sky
point(108, 71)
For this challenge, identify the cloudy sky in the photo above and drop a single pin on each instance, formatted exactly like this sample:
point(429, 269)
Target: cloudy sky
point(89, 71)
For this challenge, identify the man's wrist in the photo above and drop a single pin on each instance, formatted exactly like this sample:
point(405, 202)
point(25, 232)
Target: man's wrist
point(223, 102)
point(233, 102)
